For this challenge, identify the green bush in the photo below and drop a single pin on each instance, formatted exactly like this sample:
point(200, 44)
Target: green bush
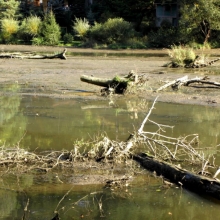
point(30, 25)
point(81, 27)
point(10, 28)
point(114, 30)
point(29, 28)
point(38, 41)
point(67, 38)
point(49, 30)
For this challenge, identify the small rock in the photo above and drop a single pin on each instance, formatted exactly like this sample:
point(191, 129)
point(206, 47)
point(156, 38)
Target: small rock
point(162, 72)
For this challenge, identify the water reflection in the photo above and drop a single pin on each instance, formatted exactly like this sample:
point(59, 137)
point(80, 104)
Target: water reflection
point(148, 201)
point(12, 121)
point(56, 124)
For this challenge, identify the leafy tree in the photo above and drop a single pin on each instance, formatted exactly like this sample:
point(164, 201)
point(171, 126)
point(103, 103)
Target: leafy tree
point(9, 8)
point(200, 16)
point(49, 30)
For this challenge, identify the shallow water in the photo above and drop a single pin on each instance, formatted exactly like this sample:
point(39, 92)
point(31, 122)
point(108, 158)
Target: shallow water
point(45, 123)
point(146, 200)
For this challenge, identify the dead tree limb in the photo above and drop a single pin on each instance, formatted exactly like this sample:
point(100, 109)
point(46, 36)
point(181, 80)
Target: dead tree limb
point(34, 56)
point(176, 81)
point(184, 81)
point(201, 81)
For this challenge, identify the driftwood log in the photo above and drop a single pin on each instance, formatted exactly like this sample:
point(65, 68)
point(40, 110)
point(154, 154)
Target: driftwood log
point(186, 179)
point(34, 56)
point(117, 84)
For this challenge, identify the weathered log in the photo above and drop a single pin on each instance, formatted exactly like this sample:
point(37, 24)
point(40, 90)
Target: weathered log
point(118, 84)
point(184, 178)
point(34, 56)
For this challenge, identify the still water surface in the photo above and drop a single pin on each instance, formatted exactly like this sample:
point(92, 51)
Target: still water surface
point(43, 123)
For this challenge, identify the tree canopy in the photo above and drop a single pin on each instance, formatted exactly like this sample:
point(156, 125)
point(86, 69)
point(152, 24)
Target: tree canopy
point(129, 10)
point(201, 15)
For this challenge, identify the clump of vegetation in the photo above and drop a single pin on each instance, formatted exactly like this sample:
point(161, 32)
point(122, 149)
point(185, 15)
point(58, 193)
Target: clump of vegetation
point(31, 25)
point(9, 28)
point(29, 28)
point(49, 31)
point(81, 27)
point(68, 38)
point(181, 55)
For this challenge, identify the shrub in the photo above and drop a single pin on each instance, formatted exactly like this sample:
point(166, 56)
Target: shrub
point(81, 27)
point(9, 28)
point(38, 41)
point(49, 30)
point(67, 38)
point(29, 28)
point(31, 25)
point(114, 30)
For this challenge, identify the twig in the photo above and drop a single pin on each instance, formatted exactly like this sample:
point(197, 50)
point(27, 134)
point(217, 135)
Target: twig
point(55, 211)
point(140, 130)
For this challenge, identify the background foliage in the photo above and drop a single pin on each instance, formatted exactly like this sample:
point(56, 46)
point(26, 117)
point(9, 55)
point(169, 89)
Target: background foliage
point(110, 23)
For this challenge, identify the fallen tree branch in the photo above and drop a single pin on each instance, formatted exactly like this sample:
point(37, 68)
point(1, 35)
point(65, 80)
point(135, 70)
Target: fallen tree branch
point(184, 81)
point(180, 80)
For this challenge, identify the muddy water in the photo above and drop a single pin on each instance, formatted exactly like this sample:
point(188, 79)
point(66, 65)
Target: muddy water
point(45, 123)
